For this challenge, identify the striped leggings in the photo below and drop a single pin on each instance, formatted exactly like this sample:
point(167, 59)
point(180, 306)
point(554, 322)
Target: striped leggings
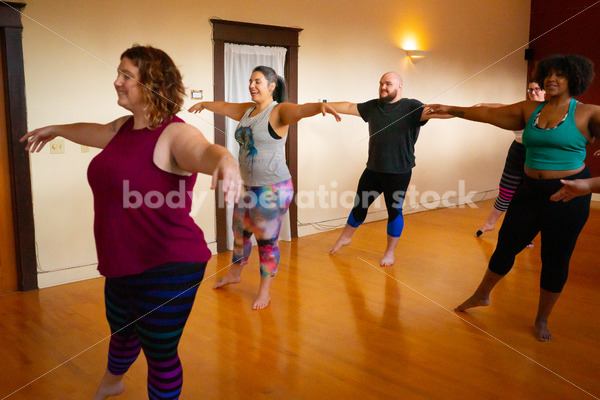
point(512, 176)
point(148, 312)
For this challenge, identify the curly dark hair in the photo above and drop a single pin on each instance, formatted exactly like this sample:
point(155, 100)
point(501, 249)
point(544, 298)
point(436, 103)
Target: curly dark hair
point(579, 70)
point(159, 75)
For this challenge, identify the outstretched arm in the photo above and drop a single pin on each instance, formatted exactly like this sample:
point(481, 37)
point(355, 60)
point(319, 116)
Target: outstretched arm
point(290, 113)
point(191, 152)
point(511, 117)
point(345, 107)
point(232, 110)
point(87, 134)
point(428, 114)
point(492, 105)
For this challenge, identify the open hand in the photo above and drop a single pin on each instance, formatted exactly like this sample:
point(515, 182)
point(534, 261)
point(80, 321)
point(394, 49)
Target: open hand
point(196, 108)
point(436, 110)
point(228, 171)
point(571, 189)
point(37, 139)
point(327, 109)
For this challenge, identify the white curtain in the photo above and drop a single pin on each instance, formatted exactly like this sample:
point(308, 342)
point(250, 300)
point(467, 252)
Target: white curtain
point(240, 60)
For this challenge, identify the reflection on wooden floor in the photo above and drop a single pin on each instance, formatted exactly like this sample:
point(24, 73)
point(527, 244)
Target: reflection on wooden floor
point(339, 327)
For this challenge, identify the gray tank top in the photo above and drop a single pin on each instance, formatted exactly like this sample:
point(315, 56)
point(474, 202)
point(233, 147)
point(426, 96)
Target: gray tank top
point(261, 157)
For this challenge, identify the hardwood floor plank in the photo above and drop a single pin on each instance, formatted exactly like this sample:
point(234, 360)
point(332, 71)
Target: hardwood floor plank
point(339, 327)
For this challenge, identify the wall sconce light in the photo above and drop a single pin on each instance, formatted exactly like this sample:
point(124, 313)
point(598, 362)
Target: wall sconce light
point(416, 55)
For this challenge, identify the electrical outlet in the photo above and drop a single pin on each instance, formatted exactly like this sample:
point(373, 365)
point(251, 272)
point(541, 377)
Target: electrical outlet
point(85, 149)
point(57, 146)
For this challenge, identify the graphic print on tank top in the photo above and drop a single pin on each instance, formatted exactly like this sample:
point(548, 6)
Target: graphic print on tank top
point(245, 138)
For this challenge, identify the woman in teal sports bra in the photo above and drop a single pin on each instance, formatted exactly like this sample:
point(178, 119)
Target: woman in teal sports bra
point(555, 135)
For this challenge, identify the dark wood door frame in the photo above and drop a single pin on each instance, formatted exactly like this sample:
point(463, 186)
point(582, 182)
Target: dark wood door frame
point(261, 35)
point(11, 38)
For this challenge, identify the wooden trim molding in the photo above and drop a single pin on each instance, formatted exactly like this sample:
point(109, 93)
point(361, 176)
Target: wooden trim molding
point(254, 34)
point(12, 48)
point(9, 14)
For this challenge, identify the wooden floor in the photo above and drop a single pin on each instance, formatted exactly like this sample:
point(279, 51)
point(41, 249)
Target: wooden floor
point(339, 327)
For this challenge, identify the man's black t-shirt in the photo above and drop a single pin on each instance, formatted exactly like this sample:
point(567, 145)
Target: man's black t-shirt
point(393, 131)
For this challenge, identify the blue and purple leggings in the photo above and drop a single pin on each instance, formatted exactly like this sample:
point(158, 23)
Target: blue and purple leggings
point(370, 185)
point(148, 312)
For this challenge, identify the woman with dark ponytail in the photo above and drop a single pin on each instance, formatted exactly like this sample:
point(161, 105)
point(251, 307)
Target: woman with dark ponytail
point(269, 191)
point(280, 91)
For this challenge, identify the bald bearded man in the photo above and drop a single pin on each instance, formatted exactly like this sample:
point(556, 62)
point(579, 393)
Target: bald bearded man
point(394, 124)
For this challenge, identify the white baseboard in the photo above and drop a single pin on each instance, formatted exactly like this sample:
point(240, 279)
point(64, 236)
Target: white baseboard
point(212, 246)
point(595, 196)
point(75, 274)
point(324, 226)
point(319, 227)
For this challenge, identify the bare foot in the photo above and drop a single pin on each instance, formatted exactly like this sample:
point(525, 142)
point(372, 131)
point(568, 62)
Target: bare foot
point(263, 298)
point(261, 301)
point(111, 385)
point(387, 260)
point(342, 241)
point(473, 301)
point(541, 331)
point(108, 391)
point(232, 277)
point(530, 245)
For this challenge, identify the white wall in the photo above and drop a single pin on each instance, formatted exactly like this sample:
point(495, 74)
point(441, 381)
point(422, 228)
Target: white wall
point(462, 40)
point(70, 65)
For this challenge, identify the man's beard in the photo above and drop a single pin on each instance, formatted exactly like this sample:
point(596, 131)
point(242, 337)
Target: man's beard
point(388, 98)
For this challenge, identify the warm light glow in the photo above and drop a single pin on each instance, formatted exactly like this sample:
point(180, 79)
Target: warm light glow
point(409, 43)
point(412, 41)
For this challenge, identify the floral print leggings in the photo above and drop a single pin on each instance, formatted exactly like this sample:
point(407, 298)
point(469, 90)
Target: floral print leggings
point(260, 212)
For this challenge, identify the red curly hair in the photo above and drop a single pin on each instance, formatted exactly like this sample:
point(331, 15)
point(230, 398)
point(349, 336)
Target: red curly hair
point(159, 75)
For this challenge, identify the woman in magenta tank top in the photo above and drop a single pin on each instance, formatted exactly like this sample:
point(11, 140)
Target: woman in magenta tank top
point(555, 136)
point(149, 249)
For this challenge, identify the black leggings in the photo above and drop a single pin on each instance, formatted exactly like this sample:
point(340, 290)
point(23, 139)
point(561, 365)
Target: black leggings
point(560, 223)
point(370, 186)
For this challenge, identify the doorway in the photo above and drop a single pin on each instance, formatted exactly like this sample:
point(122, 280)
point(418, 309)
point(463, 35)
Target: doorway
point(260, 35)
point(240, 60)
